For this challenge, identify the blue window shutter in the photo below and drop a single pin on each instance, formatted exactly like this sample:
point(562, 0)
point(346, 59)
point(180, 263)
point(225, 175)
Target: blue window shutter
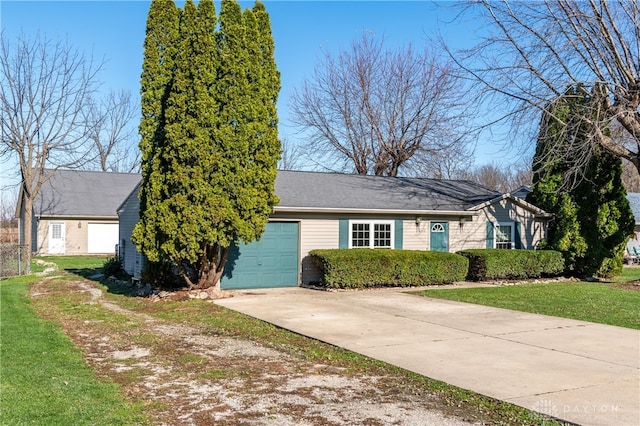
point(397, 240)
point(518, 235)
point(343, 234)
point(490, 233)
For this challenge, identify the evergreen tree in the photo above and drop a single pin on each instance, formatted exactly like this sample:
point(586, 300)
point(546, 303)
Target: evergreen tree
point(220, 148)
point(270, 73)
point(593, 220)
point(190, 197)
point(155, 81)
point(245, 127)
point(606, 218)
point(550, 164)
point(270, 84)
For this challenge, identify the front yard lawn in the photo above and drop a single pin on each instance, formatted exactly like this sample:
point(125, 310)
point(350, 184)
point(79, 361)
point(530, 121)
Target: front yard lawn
point(74, 351)
point(43, 376)
point(614, 303)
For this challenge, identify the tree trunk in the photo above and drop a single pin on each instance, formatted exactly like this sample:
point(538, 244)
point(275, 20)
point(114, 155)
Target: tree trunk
point(210, 271)
point(27, 226)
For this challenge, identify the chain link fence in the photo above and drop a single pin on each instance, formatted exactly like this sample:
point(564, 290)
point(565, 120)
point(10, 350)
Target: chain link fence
point(11, 262)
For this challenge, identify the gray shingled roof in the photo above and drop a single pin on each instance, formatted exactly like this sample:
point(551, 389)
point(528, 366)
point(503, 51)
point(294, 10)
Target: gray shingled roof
point(521, 192)
point(81, 193)
point(84, 193)
point(348, 191)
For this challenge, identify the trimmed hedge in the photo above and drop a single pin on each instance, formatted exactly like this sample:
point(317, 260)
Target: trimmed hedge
point(362, 268)
point(490, 264)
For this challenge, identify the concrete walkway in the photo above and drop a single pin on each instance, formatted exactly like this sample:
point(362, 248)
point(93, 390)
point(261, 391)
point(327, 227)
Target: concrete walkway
point(578, 371)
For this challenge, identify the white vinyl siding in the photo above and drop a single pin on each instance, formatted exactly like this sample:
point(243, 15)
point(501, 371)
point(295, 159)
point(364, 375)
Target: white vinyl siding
point(415, 236)
point(128, 217)
point(316, 234)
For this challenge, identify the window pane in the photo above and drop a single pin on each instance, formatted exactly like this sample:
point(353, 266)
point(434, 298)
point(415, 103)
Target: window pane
point(360, 235)
point(382, 235)
point(503, 237)
point(437, 227)
point(56, 231)
point(504, 233)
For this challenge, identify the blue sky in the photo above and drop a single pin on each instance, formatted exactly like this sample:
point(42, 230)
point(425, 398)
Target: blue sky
point(303, 31)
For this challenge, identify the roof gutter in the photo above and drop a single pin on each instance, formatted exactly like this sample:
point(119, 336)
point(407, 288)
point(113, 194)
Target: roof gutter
point(457, 213)
point(543, 215)
point(538, 212)
point(74, 217)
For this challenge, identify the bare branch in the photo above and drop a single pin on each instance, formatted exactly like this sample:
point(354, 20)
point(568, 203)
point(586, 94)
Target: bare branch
point(292, 156)
point(372, 110)
point(44, 87)
point(536, 50)
point(110, 129)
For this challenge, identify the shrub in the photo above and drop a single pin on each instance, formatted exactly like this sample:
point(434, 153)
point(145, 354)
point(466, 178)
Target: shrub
point(489, 264)
point(112, 267)
point(160, 275)
point(362, 268)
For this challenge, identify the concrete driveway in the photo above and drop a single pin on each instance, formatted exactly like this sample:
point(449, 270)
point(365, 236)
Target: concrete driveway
point(578, 371)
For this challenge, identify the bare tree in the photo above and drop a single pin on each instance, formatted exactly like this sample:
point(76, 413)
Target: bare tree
point(43, 90)
point(630, 177)
point(521, 174)
point(453, 163)
point(492, 176)
point(109, 127)
point(292, 156)
point(501, 177)
point(373, 110)
point(536, 50)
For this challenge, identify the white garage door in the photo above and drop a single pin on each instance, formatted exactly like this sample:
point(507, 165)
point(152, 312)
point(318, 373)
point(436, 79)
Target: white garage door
point(102, 238)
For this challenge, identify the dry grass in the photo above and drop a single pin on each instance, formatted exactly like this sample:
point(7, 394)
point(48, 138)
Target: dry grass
point(191, 373)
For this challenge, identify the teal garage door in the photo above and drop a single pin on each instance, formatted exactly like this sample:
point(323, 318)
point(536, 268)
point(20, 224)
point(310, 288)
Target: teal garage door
point(270, 262)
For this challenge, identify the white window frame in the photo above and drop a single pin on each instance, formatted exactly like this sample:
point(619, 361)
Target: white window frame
point(371, 224)
point(512, 238)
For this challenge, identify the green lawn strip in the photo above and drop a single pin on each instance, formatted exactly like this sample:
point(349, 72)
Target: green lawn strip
point(604, 303)
point(628, 274)
point(43, 377)
point(82, 265)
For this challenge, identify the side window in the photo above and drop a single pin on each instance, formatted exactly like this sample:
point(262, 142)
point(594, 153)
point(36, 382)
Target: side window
point(505, 235)
point(371, 233)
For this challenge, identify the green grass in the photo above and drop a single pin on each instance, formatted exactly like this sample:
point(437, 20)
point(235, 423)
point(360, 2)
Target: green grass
point(628, 274)
point(43, 377)
point(605, 303)
point(44, 381)
point(82, 265)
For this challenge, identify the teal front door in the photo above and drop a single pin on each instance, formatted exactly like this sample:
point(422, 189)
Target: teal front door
point(270, 262)
point(439, 236)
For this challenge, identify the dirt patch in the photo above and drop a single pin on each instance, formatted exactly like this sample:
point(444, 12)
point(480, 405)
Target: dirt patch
point(631, 285)
point(188, 374)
